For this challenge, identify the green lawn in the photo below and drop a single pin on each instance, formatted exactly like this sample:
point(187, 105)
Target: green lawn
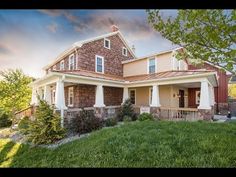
point(135, 144)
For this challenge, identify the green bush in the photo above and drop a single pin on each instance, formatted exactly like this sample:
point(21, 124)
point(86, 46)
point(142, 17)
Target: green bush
point(110, 122)
point(127, 109)
point(85, 122)
point(127, 119)
point(4, 120)
point(145, 116)
point(23, 125)
point(46, 127)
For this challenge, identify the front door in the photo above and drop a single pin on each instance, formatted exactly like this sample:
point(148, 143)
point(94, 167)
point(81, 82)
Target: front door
point(181, 98)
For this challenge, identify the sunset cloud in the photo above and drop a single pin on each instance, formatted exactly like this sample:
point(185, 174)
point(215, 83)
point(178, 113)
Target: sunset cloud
point(53, 27)
point(4, 50)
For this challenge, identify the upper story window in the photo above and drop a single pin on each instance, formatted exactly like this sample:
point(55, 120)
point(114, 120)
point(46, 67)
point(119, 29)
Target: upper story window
point(151, 65)
point(72, 62)
point(54, 67)
point(107, 43)
point(124, 51)
point(62, 65)
point(99, 64)
point(71, 96)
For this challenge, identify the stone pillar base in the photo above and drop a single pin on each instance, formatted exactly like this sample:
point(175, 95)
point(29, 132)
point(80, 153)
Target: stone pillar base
point(155, 111)
point(206, 114)
point(100, 112)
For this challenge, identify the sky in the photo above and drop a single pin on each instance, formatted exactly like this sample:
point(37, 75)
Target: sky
point(31, 39)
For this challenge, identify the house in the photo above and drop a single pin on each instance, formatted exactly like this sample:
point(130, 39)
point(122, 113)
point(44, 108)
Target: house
point(101, 73)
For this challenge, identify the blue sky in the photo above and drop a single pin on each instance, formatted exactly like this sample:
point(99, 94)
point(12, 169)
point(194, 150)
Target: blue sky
point(31, 39)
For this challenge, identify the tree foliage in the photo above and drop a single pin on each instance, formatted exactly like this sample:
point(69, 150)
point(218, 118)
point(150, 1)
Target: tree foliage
point(206, 35)
point(46, 127)
point(15, 92)
point(232, 90)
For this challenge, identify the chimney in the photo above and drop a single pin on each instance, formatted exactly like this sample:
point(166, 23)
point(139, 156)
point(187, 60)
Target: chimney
point(133, 48)
point(114, 28)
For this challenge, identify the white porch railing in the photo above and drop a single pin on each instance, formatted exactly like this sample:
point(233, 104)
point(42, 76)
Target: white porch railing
point(171, 113)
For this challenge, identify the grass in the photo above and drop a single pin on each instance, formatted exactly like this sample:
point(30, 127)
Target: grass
point(135, 144)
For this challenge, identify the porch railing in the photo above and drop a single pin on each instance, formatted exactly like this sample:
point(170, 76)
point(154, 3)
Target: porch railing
point(171, 113)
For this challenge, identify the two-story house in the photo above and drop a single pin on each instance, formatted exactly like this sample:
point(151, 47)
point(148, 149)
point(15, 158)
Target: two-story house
point(101, 73)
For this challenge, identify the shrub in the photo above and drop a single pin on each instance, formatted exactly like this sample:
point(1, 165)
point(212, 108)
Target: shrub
point(23, 125)
point(145, 116)
point(46, 128)
point(110, 122)
point(85, 122)
point(4, 120)
point(127, 110)
point(127, 119)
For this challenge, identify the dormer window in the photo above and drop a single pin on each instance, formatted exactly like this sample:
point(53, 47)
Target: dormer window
point(151, 65)
point(124, 51)
point(107, 43)
point(71, 62)
point(62, 65)
point(99, 64)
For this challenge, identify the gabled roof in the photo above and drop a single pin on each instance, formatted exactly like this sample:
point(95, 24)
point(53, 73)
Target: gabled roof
point(80, 44)
point(233, 80)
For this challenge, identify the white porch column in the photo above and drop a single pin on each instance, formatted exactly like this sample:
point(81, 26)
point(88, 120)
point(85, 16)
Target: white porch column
point(125, 94)
point(60, 99)
point(34, 99)
point(47, 94)
point(99, 97)
point(212, 96)
point(204, 96)
point(155, 96)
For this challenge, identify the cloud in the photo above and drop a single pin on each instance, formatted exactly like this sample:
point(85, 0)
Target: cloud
point(53, 27)
point(5, 50)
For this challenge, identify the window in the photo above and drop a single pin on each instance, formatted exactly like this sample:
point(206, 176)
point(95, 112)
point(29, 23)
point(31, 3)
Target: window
point(150, 96)
point(53, 93)
point(54, 67)
point(197, 97)
point(71, 62)
point(124, 51)
point(99, 64)
point(107, 43)
point(71, 96)
point(132, 96)
point(151, 65)
point(62, 65)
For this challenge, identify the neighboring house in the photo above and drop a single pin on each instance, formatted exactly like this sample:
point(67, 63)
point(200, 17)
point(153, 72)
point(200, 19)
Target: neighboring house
point(100, 73)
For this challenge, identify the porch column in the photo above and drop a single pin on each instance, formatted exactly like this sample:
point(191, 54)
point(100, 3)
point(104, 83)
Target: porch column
point(99, 97)
point(47, 94)
point(125, 94)
point(155, 96)
point(204, 96)
point(60, 99)
point(34, 99)
point(212, 96)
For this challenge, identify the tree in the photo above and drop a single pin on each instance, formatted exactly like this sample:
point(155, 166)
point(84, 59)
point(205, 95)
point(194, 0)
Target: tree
point(15, 92)
point(232, 90)
point(205, 35)
point(46, 127)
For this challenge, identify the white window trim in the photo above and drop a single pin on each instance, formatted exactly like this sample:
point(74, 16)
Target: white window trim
point(148, 64)
point(123, 51)
point(73, 61)
point(196, 93)
point(150, 94)
point(53, 97)
point(70, 105)
point(109, 47)
point(134, 95)
point(97, 56)
point(62, 61)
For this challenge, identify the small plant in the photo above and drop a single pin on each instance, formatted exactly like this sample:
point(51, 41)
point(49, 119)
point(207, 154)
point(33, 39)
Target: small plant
point(145, 116)
point(110, 122)
point(127, 119)
point(4, 120)
point(46, 127)
point(127, 110)
point(85, 122)
point(23, 125)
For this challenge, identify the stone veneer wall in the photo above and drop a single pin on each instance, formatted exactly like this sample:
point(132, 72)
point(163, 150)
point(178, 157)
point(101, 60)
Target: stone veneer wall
point(113, 96)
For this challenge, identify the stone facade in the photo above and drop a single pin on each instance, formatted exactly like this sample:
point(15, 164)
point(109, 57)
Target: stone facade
point(223, 108)
point(155, 111)
point(113, 96)
point(88, 51)
point(206, 114)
